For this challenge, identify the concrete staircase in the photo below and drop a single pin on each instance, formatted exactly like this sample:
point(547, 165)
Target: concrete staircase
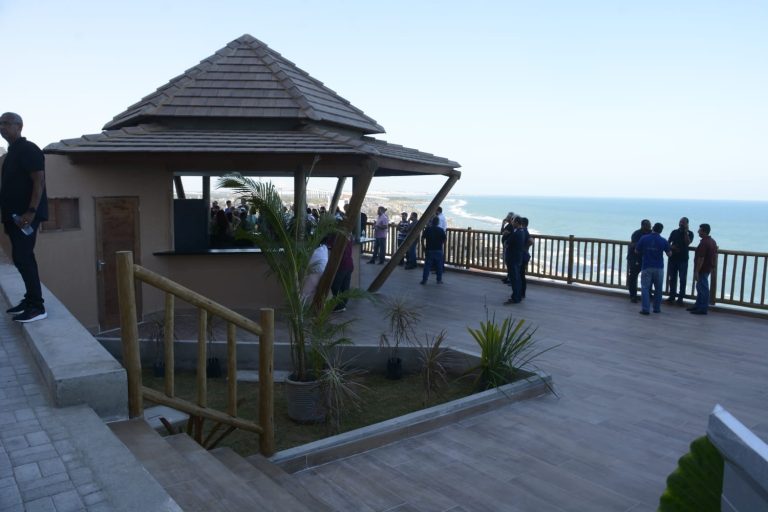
point(219, 480)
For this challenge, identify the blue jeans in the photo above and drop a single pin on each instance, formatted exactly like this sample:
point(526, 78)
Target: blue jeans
point(379, 248)
point(433, 258)
point(651, 277)
point(702, 292)
point(677, 269)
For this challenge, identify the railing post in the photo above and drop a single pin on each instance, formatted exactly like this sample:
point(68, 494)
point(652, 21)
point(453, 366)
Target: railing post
point(266, 387)
point(570, 259)
point(129, 331)
point(168, 348)
point(231, 369)
point(470, 245)
point(713, 279)
point(202, 358)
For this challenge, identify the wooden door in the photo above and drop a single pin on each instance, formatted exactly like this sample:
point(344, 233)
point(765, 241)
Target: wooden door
point(117, 229)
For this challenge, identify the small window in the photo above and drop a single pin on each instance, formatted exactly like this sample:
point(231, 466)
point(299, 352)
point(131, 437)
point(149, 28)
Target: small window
point(63, 214)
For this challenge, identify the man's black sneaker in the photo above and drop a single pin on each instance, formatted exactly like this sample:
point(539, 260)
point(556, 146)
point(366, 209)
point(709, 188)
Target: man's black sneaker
point(21, 306)
point(31, 315)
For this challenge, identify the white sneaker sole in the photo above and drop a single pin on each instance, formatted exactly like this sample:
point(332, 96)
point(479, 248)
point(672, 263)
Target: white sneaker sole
point(41, 316)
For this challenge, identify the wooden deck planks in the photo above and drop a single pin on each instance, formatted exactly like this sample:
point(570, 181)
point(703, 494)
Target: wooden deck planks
point(633, 392)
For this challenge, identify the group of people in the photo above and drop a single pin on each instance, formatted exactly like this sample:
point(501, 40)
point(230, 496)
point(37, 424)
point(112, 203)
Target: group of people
point(645, 259)
point(232, 223)
point(516, 241)
point(433, 237)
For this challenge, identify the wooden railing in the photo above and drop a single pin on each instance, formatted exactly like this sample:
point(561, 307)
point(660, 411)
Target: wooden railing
point(740, 278)
point(127, 274)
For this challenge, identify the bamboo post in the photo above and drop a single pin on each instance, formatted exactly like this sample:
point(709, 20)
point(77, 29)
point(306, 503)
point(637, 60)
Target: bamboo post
point(266, 387)
point(231, 369)
point(168, 339)
point(470, 246)
point(202, 359)
point(129, 331)
point(570, 259)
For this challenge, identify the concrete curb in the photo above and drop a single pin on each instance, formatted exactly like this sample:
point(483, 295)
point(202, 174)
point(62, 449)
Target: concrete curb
point(113, 465)
point(75, 367)
point(386, 432)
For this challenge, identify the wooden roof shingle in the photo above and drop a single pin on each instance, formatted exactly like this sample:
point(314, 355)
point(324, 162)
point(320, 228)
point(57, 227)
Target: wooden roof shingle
point(246, 79)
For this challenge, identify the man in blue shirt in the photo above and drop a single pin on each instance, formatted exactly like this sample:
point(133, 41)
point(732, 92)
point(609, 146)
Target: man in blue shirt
point(651, 248)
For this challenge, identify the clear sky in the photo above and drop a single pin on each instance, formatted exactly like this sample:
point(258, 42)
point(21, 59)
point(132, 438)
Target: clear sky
point(583, 98)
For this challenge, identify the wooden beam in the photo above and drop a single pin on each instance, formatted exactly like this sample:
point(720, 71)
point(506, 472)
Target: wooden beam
point(179, 187)
point(417, 229)
point(336, 195)
point(359, 190)
point(299, 199)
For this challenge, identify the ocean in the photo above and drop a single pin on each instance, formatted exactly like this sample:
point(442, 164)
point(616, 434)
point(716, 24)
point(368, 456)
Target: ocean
point(736, 225)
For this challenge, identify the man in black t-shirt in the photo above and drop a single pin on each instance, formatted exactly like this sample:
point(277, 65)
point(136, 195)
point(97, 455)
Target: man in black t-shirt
point(23, 205)
point(677, 263)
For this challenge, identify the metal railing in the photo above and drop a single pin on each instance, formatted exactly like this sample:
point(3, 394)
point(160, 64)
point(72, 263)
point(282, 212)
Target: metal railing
point(127, 274)
point(740, 278)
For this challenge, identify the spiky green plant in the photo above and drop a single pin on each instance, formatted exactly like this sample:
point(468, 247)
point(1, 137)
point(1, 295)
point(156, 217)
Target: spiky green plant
point(402, 317)
point(433, 361)
point(505, 349)
point(287, 248)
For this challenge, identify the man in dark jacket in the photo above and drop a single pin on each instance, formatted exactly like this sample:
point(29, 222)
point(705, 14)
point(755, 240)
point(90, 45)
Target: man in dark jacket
point(434, 240)
point(677, 264)
point(23, 206)
point(515, 249)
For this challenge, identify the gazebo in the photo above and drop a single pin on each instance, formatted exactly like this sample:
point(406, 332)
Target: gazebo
point(244, 109)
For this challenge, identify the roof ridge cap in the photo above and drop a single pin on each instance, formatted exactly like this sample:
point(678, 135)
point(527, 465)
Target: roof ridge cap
point(263, 51)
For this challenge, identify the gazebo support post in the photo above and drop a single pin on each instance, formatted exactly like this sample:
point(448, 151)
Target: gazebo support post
point(414, 233)
point(336, 195)
point(359, 190)
point(300, 200)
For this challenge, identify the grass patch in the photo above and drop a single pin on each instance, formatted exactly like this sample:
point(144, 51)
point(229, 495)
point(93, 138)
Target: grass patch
point(382, 399)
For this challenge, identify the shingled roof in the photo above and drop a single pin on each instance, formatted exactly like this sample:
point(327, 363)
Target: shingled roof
point(247, 80)
point(157, 139)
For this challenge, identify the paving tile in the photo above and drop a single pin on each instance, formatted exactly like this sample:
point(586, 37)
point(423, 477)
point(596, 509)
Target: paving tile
point(47, 490)
point(27, 473)
point(9, 495)
point(68, 501)
point(41, 505)
point(94, 498)
point(51, 466)
point(33, 454)
point(37, 438)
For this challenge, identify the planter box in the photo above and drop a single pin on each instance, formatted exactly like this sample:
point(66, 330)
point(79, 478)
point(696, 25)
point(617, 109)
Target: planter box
point(385, 432)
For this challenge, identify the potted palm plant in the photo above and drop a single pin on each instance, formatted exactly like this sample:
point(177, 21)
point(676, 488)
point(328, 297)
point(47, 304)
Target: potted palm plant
point(287, 247)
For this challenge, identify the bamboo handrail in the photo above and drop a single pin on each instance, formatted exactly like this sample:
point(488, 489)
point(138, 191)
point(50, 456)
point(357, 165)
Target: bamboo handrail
point(195, 299)
point(128, 273)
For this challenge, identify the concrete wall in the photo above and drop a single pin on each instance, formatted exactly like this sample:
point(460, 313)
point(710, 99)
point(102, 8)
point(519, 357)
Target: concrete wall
point(745, 479)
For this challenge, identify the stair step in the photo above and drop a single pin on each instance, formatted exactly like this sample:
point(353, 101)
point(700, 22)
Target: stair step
point(285, 495)
point(218, 476)
point(177, 476)
point(287, 481)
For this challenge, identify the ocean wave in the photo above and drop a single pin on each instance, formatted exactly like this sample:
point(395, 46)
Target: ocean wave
point(457, 209)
